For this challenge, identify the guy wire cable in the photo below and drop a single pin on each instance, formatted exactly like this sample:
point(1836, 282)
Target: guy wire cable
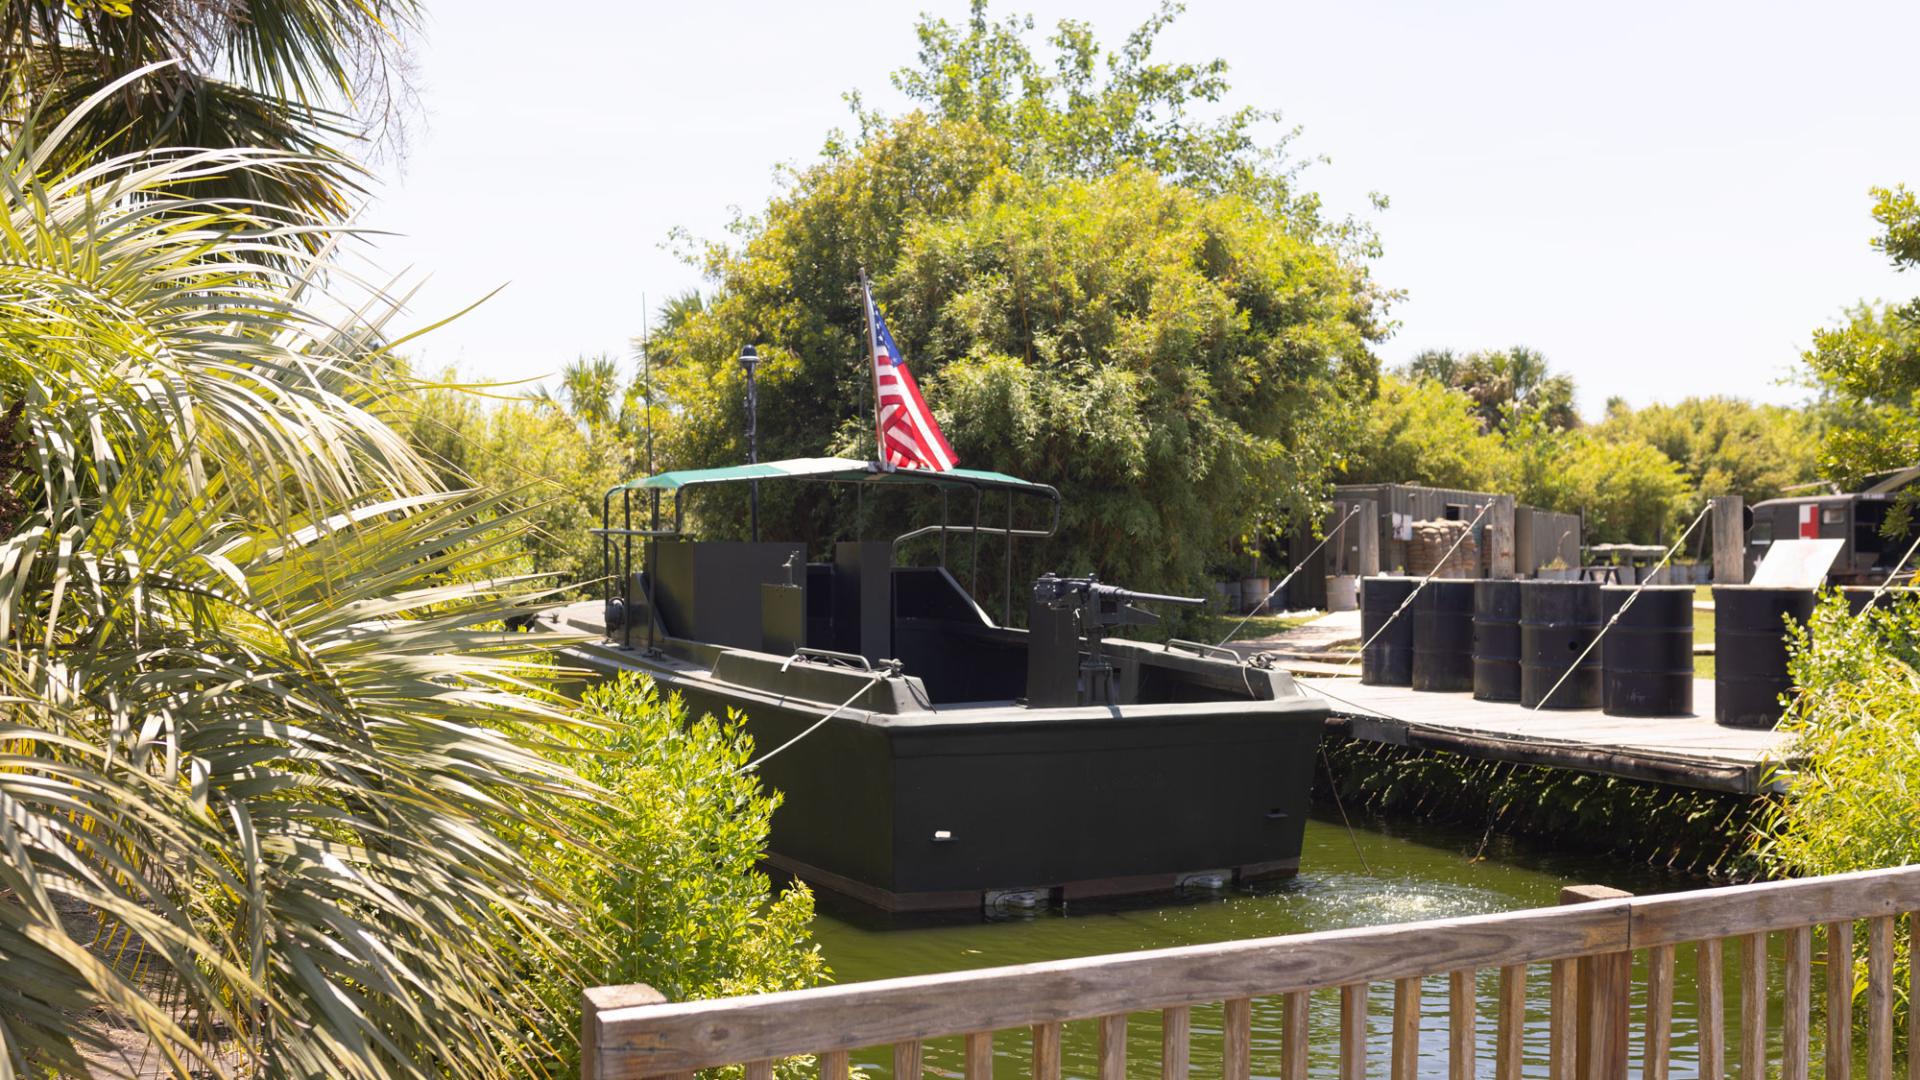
point(1435, 572)
point(1275, 591)
point(1631, 597)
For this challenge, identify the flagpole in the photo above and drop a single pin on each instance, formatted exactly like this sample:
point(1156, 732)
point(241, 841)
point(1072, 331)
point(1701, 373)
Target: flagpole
point(873, 373)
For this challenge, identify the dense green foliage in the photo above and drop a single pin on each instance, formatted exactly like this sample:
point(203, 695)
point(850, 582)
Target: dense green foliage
point(256, 722)
point(1423, 431)
point(1850, 802)
point(665, 880)
point(1095, 291)
point(1727, 446)
point(280, 794)
point(1857, 721)
point(1867, 370)
point(550, 458)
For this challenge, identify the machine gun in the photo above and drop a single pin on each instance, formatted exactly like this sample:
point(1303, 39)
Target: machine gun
point(1063, 610)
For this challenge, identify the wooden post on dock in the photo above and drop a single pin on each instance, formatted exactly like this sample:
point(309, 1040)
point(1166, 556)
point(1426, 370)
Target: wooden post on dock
point(1605, 984)
point(1367, 522)
point(1500, 542)
point(1729, 540)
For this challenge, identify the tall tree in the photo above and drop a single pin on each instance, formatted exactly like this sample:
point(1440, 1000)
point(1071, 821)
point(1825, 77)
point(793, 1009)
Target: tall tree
point(1504, 385)
point(306, 76)
point(1095, 289)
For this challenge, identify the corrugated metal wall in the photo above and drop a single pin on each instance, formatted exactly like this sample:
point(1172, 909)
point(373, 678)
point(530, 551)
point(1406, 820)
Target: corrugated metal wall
point(1540, 536)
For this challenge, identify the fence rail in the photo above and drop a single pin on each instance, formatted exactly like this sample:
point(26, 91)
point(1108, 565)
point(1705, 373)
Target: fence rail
point(1591, 943)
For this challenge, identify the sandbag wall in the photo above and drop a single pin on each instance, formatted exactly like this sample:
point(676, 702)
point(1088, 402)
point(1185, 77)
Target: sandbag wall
point(1532, 642)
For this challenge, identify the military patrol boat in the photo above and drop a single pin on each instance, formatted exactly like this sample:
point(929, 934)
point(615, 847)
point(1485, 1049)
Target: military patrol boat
point(930, 756)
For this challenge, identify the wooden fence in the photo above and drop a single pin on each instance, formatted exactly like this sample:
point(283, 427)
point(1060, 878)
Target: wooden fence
point(1592, 943)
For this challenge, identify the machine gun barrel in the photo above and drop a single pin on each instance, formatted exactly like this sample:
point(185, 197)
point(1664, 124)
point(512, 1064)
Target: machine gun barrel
point(1128, 596)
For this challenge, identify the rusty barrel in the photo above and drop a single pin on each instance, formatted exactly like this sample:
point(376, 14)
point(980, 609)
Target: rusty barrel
point(1558, 620)
point(1388, 661)
point(1496, 640)
point(1646, 659)
point(1750, 651)
point(1443, 636)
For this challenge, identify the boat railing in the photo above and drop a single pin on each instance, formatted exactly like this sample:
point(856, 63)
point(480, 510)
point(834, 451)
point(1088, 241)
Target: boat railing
point(1606, 954)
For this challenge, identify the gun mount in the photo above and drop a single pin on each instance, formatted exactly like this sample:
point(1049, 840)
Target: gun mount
point(1062, 611)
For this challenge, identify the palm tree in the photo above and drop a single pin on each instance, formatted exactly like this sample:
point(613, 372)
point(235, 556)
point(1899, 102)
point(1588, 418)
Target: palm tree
point(266, 757)
point(305, 76)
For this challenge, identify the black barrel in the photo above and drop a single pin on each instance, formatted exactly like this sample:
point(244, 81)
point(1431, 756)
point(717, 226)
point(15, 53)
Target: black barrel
point(1858, 595)
point(1389, 660)
point(1558, 620)
point(1496, 640)
point(1750, 651)
point(1443, 636)
point(1646, 659)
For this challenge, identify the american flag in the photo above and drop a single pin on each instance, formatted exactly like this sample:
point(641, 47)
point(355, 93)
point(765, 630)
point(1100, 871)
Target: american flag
point(909, 437)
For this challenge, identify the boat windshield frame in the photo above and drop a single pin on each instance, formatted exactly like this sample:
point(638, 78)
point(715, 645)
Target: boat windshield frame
point(617, 541)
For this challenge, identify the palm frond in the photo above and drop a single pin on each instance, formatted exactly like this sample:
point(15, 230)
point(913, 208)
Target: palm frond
point(261, 727)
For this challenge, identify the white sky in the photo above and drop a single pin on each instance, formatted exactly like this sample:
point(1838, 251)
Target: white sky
point(1665, 199)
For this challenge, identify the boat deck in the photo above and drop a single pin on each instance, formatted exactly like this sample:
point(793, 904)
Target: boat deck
point(1686, 751)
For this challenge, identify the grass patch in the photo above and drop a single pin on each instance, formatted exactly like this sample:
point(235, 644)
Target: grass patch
point(1211, 628)
point(1703, 663)
point(1259, 626)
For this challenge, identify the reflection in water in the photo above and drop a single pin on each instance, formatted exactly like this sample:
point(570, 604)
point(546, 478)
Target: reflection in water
point(1440, 874)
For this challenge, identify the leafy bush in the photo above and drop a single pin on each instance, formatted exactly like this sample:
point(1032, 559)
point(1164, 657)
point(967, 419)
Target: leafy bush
point(664, 883)
point(1853, 801)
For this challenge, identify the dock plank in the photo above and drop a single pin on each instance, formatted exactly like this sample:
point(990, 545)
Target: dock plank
point(1690, 751)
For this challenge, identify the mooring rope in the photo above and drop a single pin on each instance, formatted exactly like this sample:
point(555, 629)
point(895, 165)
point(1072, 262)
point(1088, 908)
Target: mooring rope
point(1434, 573)
point(1631, 597)
point(1275, 591)
point(864, 687)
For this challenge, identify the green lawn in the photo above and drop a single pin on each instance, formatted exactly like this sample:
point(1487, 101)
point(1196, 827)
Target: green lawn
point(1703, 634)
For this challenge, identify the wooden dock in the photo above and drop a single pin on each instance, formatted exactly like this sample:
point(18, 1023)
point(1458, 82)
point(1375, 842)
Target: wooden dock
point(1687, 751)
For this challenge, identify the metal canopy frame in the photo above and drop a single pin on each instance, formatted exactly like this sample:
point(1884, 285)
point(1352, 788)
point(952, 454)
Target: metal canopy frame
point(859, 474)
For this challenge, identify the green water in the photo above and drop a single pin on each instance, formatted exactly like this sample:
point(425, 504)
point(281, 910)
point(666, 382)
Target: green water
point(1378, 874)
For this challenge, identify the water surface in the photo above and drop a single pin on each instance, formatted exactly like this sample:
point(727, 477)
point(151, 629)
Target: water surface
point(1374, 874)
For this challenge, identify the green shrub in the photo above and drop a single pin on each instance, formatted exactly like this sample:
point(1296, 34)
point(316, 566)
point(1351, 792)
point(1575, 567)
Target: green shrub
point(1851, 801)
point(665, 882)
point(1856, 721)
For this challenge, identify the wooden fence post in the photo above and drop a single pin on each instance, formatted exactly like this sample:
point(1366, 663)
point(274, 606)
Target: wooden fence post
point(597, 999)
point(1500, 541)
point(1729, 540)
point(1601, 1005)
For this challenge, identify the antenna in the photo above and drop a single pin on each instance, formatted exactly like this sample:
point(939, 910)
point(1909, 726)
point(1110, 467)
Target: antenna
point(646, 374)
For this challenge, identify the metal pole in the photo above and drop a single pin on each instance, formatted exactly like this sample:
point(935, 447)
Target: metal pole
point(1006, 605)
point(749, 360)
point(653, 559)
point(606, 557)
point(973, 564)
point(873, 349)
point(626, 570)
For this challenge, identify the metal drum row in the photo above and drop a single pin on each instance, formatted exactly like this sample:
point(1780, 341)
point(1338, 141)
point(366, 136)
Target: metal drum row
point(1531, 642)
